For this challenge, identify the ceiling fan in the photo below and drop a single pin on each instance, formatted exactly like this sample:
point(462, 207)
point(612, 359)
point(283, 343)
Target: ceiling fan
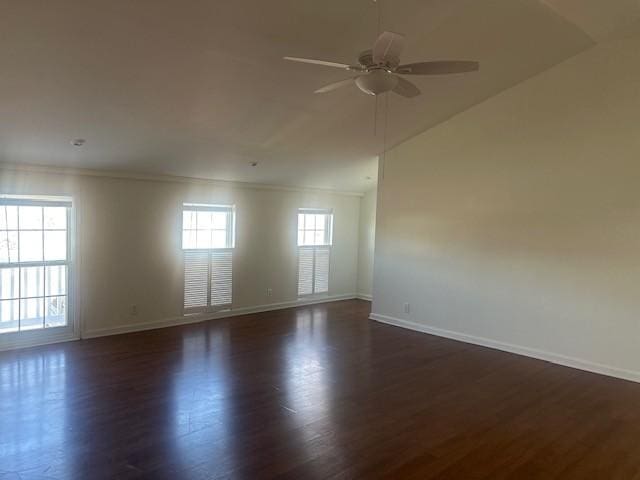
point(380, 68)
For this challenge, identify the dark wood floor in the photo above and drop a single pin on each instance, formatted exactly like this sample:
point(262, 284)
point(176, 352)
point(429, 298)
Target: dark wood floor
point(312, 392)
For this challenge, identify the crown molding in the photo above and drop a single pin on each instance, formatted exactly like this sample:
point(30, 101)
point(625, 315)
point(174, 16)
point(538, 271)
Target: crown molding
point(87, 172)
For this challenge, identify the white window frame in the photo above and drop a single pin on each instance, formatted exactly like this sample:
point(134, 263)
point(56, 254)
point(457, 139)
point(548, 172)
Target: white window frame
point(70, 330)
point(230, 242)
point(328, 227)
point(327, 244)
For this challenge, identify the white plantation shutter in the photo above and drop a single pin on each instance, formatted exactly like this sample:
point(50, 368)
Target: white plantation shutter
point(207, 243)
point(196, 273)
point(221, 277)
point(315, 236)
point(313, 270)
point(321, 273)
point(305, 270)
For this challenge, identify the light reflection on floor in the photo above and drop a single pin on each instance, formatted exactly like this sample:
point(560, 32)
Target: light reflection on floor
point(201, 407)
point(308, 384)
point(33, 431)
point(179, 403)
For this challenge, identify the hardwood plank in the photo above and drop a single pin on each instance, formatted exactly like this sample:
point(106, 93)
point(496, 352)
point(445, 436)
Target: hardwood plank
point(311, 392)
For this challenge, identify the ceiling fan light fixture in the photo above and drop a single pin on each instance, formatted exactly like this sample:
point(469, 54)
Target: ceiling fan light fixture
point(380, 66)
point(377, 82)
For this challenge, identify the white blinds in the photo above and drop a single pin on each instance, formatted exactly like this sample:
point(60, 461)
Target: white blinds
point(196, 273)
point(208, 279)
point(207, 243)
point(305, 270)
point(221, 277)
point(315, 228)
point(321, 274)
point(313, 270)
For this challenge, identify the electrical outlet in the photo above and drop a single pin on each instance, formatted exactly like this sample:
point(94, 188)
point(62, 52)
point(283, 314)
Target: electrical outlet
point(407, 308)
point(269, 292)
point(133, 310)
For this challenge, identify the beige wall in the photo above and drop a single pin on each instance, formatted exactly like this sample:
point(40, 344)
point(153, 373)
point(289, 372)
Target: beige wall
point(517, 223)
point(366, 243)
point(128, 239)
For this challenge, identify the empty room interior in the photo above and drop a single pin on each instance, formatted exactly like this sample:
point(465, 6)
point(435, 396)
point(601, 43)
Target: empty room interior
point(294, 239)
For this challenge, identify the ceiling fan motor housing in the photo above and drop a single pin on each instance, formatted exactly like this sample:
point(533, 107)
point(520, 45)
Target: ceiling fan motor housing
point(366, 59)
point(376, 82)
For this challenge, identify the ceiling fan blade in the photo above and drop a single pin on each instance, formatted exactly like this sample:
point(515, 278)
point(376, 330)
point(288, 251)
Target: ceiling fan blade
point(406, 88)
point(335, 86)
point(388, 48)
point(324, 63)
point(438, 68)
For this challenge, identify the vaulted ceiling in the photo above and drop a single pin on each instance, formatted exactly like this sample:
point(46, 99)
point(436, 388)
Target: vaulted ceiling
point(198, 88)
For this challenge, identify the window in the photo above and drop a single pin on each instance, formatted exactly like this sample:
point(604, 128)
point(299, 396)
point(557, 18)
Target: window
point(315, 230)
point(34, 263)
point(207, 244)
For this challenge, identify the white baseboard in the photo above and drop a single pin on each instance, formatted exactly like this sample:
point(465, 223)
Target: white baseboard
point(196, 318)
point(364, 296)
point(557, 358)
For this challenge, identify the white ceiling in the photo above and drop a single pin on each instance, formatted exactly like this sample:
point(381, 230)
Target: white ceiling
point(198, 88)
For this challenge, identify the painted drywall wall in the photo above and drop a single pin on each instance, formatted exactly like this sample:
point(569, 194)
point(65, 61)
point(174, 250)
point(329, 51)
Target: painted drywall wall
point(366, 243)
point(517, 222)
point(129, 243)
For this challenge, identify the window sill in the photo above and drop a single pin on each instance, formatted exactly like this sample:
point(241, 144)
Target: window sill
point(10, 341)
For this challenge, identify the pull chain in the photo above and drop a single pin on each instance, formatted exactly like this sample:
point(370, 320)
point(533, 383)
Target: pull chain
point(375, 118)
point(383, 157)
point(375, 109)
point(384, 135)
